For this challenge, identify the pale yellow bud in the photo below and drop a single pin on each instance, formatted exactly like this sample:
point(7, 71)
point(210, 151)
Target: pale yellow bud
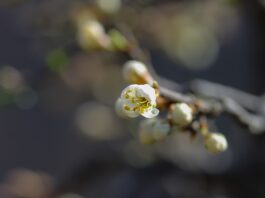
point(109, 6)
point(136, 72)
point(215, 142)
point(91, 35)
point(181, 114)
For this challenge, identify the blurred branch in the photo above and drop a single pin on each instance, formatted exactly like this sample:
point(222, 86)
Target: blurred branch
point(135, 50)
point(217, 91)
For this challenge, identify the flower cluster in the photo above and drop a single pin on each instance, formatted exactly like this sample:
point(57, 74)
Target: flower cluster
point(142, 98)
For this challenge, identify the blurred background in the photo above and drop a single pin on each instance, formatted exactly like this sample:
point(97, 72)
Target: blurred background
point(59, 134)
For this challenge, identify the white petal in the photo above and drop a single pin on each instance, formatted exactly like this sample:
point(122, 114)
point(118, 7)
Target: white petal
point(153, 112)
point(119, 108)
point(133, 87)
point(131, 114)
point(147, 92)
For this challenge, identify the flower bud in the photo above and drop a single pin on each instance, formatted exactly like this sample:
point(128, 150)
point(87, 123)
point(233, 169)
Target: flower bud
point(181, 114)
point(146, 135)
point(136, 72)
point(118, 41)
point(109, 6)
point(153, 130)
point(161, 130)
point(91, 35)
point(215, 142)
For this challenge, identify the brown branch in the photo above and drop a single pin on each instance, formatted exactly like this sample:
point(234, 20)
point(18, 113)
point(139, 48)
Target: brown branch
point(254, 122)
point(215, 106)
point(211, 99)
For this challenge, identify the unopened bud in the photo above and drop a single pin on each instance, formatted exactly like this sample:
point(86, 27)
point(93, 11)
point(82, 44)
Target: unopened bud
point(109, 6)
point(91, 35)
point(215, 142)
point(181, 114)
point(136, 72)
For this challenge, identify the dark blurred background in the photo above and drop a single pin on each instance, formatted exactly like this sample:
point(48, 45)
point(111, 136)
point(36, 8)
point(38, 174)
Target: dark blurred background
point(59, 133)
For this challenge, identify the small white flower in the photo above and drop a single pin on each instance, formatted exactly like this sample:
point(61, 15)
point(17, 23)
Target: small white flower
point(139, 100)
point(135, 72)
point(216, 142)
point(91, 35)
point(181, 114)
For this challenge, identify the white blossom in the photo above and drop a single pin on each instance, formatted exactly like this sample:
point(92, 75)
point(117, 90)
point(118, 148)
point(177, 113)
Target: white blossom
point(135, 71)
point(181, 114)
point(139, 100)
point(216, 142)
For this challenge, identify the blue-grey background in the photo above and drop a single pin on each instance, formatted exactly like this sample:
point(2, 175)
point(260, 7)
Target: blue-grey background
point(44, 138)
